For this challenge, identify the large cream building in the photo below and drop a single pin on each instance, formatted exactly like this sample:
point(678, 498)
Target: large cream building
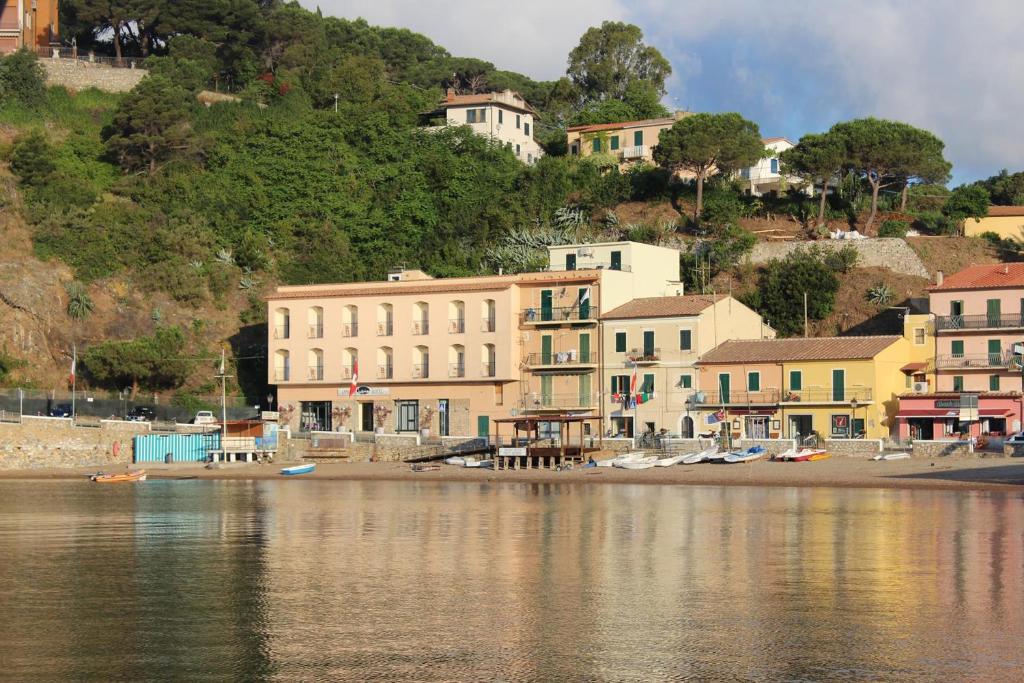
point(452, 354)
point(661, 338)
point(503, 116)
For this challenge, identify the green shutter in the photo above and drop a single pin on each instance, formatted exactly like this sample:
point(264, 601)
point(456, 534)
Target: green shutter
point(584, 305)
point(957, 347)
point(958, 382)
point(992, 312)
point(753, 381)
point(995, 351)
point(596, 144)
point(545, 390)
point(723, 387)
point(796, 380)
point(584, 390)
point(545, 304)
point(648, 385)
point(584, 348)
point(648, 343)
point(686, 381)
point(638, 138)
point(620, 342)
point(993, 383)
point(483, 426)
point(615, 142)
point(545, 349)
point(838, 385)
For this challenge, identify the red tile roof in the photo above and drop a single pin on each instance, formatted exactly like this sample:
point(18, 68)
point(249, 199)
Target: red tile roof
point(993, 276)
point(517, 102)
point(995, 211)
point(595, 127)
point(782, 350)
point(663, 306)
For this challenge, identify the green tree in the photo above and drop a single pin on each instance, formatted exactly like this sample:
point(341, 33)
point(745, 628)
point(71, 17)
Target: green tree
point(22, 79)
point(32, 159)
point(967, 201)
point(703, 143)
point(784, 282)
point(818, 159)
point(887, 153)
point(1005, 188)
point(640, 102)
point(152, 362)
point(611, 57)
point(150, 125)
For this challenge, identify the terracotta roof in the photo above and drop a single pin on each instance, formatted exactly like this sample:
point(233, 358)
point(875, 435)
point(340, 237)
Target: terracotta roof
point(913, 367)
point(767, 141)
point(781, 350)
point(1006, 211)
point(595, 127)
point(663, 306)
point(488, 98)
point(993, 276)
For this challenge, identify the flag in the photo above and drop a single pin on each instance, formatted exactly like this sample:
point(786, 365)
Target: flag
point(715, 418)
point(74, 362)
point(222, 361)
point(355, 378)
point(632, 381)
point(585, 296)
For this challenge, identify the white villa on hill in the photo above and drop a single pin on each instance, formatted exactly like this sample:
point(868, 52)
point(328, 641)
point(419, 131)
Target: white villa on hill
point(504, 116)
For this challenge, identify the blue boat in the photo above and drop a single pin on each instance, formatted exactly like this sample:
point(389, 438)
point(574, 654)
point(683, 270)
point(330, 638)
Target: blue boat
point(298, 469)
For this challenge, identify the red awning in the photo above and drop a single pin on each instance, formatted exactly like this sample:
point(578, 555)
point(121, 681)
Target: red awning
point(913, 367)
point(927, 412)
point(994, 412)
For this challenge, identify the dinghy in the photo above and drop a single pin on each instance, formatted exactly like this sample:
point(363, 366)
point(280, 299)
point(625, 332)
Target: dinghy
point(892, 456)
point(752, 453)
point(799, 454)
point(669, 461)
point(625, 457)
point(819, 456)
point(424, 468)
point(640, 463)
point(134, 475)
point(298, 469)
point(702, 456)
point(455, 460)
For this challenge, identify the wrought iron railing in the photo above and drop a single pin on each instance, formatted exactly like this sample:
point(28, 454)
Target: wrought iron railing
point(558, 314)
point(978, 322)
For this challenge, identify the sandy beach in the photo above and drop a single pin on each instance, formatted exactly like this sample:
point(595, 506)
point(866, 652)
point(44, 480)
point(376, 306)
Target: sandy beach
point(937, 473)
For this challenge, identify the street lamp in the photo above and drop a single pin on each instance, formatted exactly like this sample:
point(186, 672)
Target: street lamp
point(853, 419)
point(335, 103)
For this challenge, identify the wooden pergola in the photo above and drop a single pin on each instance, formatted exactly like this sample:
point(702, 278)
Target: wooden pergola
point(533, 452)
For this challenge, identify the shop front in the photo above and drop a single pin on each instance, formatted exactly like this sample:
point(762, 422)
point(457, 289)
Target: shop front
point(956, 415)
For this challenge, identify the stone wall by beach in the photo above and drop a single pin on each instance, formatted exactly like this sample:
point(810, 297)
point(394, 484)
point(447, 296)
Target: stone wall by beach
point(55, 442)
point(931, 449)
point(853, 448)
point(76, 74)
point(884, 252)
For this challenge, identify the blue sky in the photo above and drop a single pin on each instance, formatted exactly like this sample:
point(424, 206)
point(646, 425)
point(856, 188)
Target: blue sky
point(953, 67)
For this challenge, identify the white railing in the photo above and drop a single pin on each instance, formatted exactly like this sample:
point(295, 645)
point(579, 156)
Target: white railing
point(635, 152)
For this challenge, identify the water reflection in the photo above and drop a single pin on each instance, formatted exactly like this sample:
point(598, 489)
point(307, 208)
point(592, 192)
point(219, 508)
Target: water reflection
point(313, 580)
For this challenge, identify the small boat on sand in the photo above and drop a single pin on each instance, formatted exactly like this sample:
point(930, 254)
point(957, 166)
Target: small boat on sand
point(799, 454)
point(752, 453)
point(134, 475)
point(702, 456)
point(669, 461)
point(298, 469)
point(892, 456)
point(642, 464)
point(819, 456)
point(424, 468)
point(625, 457)
point(455, 460)
point(473, 462)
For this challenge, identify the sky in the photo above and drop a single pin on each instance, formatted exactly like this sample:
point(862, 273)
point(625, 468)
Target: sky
point(954, 67)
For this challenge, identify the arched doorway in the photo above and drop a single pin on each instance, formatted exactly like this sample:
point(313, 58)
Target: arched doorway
point(686, 427)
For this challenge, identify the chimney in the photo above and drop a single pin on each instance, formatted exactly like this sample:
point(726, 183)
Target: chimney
point(450, 94)
point(1006, 269)
point(938, 278)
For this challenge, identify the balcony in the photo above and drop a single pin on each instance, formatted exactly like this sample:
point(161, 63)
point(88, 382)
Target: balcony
point(555, 316)
point(385, 371)
point(979, 322)
point(644, 356)
point(421, 371)
point(315, 373)
point(976, 361)
point(487, 370)
point(456, 370)
point(562, 360)
point(738, 398)
point(316, 331)
point(281, 331)
point(350, 329)
point(456, 326)
point(487, 325)
point(635, 152)
point(282, 375)
point(828, 395)
point(590, 265)
point(541, 402)
point(385, 329)
point(421, 327)
point(347, 371)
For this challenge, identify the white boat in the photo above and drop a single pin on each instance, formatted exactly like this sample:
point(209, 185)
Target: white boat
point(625, 457)
point(455, 460)
point(640, 463)
point(748, 455)
point(669, 461)
point(799, 454)
point(471, 462)
point(702, 456)
point(892, 456)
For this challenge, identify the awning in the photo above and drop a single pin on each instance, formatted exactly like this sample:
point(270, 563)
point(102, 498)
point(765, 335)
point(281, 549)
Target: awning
point(927, 413)
point(994, 412)
point(911, 368)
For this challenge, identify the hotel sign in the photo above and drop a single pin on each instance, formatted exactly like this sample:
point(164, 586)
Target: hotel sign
point(363, 390)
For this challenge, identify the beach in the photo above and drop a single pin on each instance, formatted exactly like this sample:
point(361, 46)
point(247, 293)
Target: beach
point(979, 473)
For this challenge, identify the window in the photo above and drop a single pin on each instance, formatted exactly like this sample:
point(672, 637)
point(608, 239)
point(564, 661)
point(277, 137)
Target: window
point(476, 116)
point(638, 138)
point(686, 381)
point(620, 342)
point(993, 312)
point(616, 260)
point(919, 336)
point(620, 384)
point(958, 382)
point(993, 383)
point(957, 347)
point(796, 380)
point(648, 343)
point(526, 129)
point(529, 158)
point(745, 173)
point(408, 416)
point(648, 386)
point(517, 120)
point(614, 142)
point(839, 385)
point(518, 151)
point(775, 165)
point(685, 340)
point(909, 381)
point(570, 261)
point(753, 381)
point(595, 144)
point(501, 116)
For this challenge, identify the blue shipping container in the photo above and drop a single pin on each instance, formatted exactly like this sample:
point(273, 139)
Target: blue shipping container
point(181, 447)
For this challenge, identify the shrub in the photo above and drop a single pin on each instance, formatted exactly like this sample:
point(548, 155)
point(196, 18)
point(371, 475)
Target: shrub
point(32, 159)
point(893, 229)
point(935, 223)
point(967, 201)
point(22, 79)
point(841, 260)
point(880, 294)
point(721, 208)
point(780, 294)
point(80, 304)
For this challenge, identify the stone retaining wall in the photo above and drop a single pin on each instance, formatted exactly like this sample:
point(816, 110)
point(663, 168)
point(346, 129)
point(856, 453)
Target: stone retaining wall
point(853, 448)
point(56, 442)
point(772, 446)
point(931, 449)
point(76, 74)
point(885, 252)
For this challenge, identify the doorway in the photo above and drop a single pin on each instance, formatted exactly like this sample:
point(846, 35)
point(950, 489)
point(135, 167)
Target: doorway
point(686, 427)
point(315, 416)
point(442, 416)
point(408, 416)
point(800, 427)
point(366, 416)
point(757, 427)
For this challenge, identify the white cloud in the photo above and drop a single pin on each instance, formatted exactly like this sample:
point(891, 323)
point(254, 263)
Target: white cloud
point(533, 37)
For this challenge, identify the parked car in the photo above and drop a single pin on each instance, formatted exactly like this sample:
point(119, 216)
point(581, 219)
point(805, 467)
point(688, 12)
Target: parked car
point(61, 410)
point(141, 414)
point(1015, 438)
point(204, 417)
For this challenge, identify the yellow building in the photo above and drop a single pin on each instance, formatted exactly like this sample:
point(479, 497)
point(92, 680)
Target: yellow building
point(1005, 221)
point(836, 387)
point(627, 142)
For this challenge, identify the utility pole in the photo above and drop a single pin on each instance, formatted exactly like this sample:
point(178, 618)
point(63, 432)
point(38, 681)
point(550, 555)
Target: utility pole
point(223, 376)
point(805, 314)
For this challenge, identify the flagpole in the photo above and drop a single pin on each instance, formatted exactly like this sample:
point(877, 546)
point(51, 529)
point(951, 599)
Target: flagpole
point(74, 377)
point(223, 399)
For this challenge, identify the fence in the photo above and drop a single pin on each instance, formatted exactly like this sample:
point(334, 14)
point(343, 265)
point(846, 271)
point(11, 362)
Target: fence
point(17, 402)
point(73, 53)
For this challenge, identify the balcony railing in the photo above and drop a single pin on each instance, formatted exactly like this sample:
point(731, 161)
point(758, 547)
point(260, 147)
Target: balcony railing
point(561, 358)
point(421, 327)
point(978, 322)
point(487, 325)
point(827, 395)
point(557, 315)
point(282, 375)
point(718, 398)
point(558, 401)
point(281, 331)
point(487, 370)
point(316, 373)
point(316, 331)
point(347, 371)
point(590, 265)
point(385, 371)
point(456, 370)
point(385, 329)
point(350, 329)
point(975, 361)
point(634, 152)
point(642, 356)
point(456, 326)
point(421, 371)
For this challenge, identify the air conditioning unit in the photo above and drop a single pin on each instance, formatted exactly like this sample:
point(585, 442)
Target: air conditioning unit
point(584, 251)
point(920, 387)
